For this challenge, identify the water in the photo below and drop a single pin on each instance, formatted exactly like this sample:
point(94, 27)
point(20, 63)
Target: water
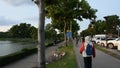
point(8, 47)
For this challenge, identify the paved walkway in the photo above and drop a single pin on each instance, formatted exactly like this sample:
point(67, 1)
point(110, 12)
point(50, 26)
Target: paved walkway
point(31, 61)
point(102, 60)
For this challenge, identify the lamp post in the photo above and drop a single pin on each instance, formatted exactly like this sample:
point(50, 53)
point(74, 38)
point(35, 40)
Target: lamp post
point(105, 37)
point(118, 28)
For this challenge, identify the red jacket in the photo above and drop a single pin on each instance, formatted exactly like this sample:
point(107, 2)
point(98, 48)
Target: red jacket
point(82, 49)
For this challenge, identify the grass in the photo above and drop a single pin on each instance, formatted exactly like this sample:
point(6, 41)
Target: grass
point(107, 52)
point(68, 61)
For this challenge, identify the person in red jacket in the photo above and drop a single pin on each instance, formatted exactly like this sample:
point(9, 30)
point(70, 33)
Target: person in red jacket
point(87, 58)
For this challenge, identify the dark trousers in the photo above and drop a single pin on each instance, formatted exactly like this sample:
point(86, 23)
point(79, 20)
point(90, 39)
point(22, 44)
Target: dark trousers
point(87, 62)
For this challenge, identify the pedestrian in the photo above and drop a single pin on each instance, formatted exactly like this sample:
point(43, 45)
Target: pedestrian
point(77, 39)
point(83, 50)
point(82, 39)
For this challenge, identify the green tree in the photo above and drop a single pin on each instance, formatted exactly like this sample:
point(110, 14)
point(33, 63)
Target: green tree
point(22, 30)
point(112, 21)
point(71, 26)
point(14, 30)
point(50, 32)
point(33, 32)
point(99, 26)
point(4, 35)
point(65, 11)
point(109, 24)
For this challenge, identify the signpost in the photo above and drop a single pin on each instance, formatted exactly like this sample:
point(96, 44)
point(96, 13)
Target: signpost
point(69, 35)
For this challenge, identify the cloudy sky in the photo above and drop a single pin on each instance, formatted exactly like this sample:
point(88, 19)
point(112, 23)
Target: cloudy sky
point(13, 12)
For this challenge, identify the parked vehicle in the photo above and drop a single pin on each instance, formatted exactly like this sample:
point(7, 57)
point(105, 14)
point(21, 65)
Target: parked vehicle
point(104, 42)
point(113, 43)
point(98, 38)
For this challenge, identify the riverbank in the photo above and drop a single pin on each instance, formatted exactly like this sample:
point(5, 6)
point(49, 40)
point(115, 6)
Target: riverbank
point(10, 58)
point(4, 60)
point(9, 47)
point(12, 45)
point(31, 61)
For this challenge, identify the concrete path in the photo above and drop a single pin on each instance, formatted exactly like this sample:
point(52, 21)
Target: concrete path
point(31, 61)
point(102, 60)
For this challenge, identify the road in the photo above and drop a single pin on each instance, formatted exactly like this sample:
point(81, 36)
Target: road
point(101, 60)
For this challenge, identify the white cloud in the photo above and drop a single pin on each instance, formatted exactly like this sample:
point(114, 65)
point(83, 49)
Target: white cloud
point(19, 2)
point(4, 28)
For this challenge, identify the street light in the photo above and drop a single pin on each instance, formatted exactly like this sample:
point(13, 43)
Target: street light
point(105, 37)
point(118, 28)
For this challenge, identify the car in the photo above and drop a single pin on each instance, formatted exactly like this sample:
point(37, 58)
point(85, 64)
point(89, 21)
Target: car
point(98, 38)
point(103, 42)
point(113, 43)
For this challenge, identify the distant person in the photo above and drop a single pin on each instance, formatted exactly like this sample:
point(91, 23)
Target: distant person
point(88, 51)
point(77, 39)
point(83, 39)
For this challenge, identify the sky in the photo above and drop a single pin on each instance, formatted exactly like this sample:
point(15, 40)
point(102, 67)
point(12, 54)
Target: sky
point(13, 12)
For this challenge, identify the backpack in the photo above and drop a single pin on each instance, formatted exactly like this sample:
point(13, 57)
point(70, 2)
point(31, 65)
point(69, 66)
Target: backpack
point(89, 49)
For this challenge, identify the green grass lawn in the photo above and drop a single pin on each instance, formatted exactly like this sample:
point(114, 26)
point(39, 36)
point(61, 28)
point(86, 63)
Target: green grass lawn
point(68, 61)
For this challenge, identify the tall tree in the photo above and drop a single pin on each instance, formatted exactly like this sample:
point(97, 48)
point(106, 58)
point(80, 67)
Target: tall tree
point(64, 11)
point(112, 21)
point(109, 24)
point(41, 34)
point(33, 33)
point(50, 32)
point(73, 26)
point(22, 30)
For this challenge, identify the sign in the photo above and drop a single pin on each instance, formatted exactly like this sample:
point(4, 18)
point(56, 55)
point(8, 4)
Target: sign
point(69, 35)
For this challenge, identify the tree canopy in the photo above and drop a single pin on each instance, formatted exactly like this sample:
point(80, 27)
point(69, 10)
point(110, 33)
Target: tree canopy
point(109, 24)
point(23, 30)
point(69, 9)
point(62, 12)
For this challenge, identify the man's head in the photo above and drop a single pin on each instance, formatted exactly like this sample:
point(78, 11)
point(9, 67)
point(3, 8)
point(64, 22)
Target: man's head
point(88, 38)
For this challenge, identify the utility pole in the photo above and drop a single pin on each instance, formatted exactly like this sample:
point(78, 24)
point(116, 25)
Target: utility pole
point(41, 34)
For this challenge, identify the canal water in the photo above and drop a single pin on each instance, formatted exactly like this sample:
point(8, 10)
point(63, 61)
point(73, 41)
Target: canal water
point(8, 47)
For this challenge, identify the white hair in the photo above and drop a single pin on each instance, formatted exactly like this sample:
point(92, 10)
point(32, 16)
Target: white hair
point(87, 38)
